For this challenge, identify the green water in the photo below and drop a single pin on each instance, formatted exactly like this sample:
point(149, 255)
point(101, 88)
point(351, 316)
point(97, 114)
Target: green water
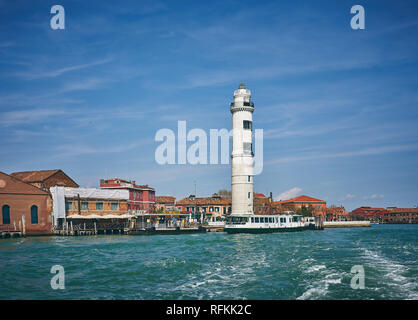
point(303, 265)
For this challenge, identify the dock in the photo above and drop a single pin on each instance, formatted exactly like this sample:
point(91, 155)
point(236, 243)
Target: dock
point(214, 228)
point(346, 224)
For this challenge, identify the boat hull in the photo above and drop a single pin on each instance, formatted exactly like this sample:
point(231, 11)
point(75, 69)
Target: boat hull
point(264, 230)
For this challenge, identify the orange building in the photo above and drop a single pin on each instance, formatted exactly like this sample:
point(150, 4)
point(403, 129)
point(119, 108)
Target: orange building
point(165, 203)
point(317, 206)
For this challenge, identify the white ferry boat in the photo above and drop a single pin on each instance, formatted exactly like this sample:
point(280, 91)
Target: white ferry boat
point(268, 223)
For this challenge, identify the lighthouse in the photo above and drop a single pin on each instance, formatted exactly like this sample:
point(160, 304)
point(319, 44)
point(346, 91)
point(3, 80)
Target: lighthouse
point(242, 152)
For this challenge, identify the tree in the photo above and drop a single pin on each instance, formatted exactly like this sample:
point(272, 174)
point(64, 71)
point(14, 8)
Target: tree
point(306, 211)
point(224, 193)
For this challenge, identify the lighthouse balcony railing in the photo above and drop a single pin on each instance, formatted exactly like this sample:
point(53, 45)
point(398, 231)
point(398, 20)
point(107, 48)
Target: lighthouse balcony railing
point(245, 104)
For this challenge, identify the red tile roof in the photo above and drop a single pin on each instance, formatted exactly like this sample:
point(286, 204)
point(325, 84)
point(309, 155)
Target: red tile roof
point(165, 199)
point(34, 176)
point(205, 201)
point(259, 195)
point(402, 210)
point(301, 198)
point(12, 185)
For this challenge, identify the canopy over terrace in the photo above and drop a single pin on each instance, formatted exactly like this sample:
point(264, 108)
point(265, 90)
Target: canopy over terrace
point(96, 216)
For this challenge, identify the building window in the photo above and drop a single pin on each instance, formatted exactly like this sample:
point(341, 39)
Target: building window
point(247, 125)
point(68, 205)
point(249, 195)
point(34, 215)
point(6, 214)
point(216, 209)
point(115, 206)
point(84, 205)
point(99, 205)
point(249, 178)
point(210, 209)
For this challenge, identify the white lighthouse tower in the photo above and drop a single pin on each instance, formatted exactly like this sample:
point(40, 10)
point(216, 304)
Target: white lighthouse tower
point(242, 152)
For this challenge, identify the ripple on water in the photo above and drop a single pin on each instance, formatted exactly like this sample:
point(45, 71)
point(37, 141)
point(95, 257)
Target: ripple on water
point(306, 265)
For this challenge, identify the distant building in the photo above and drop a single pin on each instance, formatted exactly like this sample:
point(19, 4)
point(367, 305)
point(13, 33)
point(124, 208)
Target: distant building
point(211, 207)
point(19, 199)
point(369, 213)
point(141, 197)
point(401, 215)
point(296, 204)
point(337, 214)
point(165, 203)
point(262, 204)
point(45, 179)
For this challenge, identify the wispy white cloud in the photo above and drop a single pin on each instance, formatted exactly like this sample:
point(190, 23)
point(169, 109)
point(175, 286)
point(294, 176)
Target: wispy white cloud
point(374, 197)
point(10, 118)
point(31, 75)
point(344, 154)
point(348, 196)
point(288, 194)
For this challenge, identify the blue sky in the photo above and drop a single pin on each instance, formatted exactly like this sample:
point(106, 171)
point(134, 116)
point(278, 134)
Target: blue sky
point(338, 107)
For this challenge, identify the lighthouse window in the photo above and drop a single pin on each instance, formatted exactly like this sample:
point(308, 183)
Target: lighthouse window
point(247, 125)
point(249, 195)
point(249, 178)
point(248, 147)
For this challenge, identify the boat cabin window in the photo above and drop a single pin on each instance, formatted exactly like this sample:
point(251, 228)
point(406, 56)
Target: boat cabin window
point(257, 220)
point(237, 220)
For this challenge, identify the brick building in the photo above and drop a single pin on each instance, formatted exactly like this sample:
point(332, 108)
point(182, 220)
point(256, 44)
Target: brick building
point(262, 204)
point(211, 207)
point(337, 214)
point(369, 213)
point(401, 215)
point(141, 197)
point(24, 206)
point(317, 206)
point(44, 179)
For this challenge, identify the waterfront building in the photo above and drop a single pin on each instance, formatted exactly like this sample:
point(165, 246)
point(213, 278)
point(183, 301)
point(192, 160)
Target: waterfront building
point(78, 204)
point(24, 207)
point(242, 152)
point(369, 213)
point(211, 207)
point(45, 179)
point(316, 206)
point(401, 215)
point(165, 203)
point(337, 214)
point(141, 197)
